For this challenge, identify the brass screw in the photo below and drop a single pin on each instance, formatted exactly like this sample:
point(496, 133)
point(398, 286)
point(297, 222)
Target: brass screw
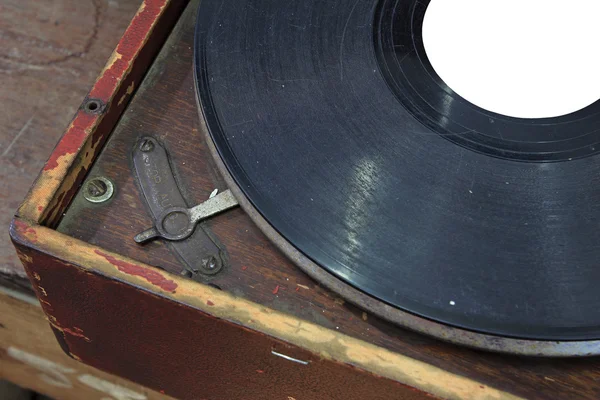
point(98, 190)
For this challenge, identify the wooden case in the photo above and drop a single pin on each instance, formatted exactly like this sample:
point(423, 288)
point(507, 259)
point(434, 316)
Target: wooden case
point(259, 329)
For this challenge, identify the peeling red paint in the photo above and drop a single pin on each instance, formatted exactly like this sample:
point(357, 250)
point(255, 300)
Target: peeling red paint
point(25, 229)
point(128, 49)
point(61, 203)
point(72, 140)
point(76, 334)
point(276, 290)
point(46, 305)
point(151, 276)
point(136, 34)
point(210, 303)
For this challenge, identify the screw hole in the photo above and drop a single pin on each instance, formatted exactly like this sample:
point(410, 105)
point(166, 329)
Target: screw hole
point(92, 106)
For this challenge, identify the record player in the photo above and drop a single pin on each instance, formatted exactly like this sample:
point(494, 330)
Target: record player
point(242, 208)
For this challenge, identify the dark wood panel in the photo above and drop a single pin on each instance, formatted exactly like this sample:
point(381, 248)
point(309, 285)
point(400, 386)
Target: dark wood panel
point(165, 108)
point(31, 358)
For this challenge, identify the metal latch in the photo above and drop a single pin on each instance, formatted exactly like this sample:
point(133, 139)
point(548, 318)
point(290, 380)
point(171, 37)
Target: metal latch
point(181, 226)
point(189, 218)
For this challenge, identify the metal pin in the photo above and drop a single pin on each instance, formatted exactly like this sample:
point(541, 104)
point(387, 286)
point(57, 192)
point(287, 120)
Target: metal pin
point(147, 235)
point(289, 358)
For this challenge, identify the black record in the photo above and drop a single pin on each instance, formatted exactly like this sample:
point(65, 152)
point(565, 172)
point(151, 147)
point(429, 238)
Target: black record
point(332, 121)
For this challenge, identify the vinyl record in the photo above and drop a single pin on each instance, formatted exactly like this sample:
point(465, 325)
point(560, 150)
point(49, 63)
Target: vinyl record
point(333, 123)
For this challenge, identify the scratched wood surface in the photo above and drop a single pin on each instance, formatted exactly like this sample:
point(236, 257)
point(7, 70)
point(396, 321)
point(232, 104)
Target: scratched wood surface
point(165, 108)
point(31, 358)
point(51, 52)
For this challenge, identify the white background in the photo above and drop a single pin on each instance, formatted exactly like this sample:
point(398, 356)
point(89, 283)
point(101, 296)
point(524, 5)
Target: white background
point(522, 58)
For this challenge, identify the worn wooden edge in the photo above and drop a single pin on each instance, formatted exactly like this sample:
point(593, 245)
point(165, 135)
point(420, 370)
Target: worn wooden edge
point(321, 341)
point(215, 346)
point(70, 160)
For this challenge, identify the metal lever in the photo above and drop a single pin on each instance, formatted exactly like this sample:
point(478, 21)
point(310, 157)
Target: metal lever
point(215, 205)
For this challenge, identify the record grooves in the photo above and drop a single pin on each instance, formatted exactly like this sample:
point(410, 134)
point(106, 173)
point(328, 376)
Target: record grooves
point(337, 130)
point(409, 74)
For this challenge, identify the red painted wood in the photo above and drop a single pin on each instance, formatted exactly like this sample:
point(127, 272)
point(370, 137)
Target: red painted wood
point(131, 269)
point(181, 351)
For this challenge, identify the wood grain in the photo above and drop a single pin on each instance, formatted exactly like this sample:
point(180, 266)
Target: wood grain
point(165, 108)
point(50, 54)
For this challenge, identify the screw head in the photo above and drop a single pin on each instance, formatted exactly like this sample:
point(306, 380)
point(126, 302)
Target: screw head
point(146, 146)
point(98, 190)
point(210, 265)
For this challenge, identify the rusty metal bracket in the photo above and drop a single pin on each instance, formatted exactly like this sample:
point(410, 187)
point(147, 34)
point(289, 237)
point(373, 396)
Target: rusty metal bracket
point(200, 252)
